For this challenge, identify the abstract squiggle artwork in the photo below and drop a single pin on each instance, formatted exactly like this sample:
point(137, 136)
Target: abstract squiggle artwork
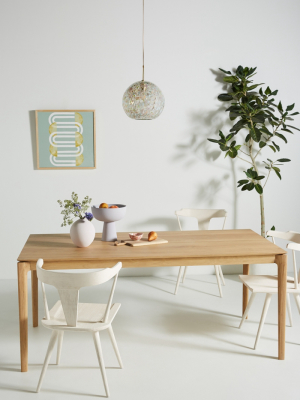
point(65, 139)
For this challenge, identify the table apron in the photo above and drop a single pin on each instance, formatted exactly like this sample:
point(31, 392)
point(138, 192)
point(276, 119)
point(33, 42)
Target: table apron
point(153, 262)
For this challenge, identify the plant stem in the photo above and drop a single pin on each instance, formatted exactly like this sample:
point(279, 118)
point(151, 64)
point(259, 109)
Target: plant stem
point(267, 178)
point(261, 196)
point(262, 214)
point(244, 160)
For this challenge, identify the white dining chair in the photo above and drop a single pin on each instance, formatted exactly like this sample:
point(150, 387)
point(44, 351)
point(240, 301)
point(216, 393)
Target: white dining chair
point(70, 315)
point(203, 217)
point(269, 284)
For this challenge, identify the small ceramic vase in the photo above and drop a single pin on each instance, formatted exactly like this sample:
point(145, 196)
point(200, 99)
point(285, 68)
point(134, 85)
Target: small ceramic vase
point(82, 233)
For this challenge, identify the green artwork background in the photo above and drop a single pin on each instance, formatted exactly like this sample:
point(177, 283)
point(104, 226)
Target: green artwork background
point(88, 139)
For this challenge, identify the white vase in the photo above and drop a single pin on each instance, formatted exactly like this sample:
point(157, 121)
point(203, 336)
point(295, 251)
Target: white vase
point(82, 233)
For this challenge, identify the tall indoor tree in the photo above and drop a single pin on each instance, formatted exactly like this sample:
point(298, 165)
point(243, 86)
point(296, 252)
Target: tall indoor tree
point(261, 123)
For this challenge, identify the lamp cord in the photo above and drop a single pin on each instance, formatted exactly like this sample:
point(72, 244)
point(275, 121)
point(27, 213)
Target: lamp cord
point(143, 39)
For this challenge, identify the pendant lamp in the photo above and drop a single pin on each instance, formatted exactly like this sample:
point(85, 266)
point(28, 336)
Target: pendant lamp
point(143, 99)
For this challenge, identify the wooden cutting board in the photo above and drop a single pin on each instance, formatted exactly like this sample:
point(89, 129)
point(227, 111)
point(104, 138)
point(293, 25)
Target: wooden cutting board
point(144, 242)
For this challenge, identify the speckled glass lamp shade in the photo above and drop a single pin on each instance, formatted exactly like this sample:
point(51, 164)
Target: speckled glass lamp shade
point(143, 100)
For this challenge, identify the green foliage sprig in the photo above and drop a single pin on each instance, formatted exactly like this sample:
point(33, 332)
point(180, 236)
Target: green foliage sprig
point(263, 120)
point(75, 209)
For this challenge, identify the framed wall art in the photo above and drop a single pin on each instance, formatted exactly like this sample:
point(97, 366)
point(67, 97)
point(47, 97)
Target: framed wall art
point(65, 139)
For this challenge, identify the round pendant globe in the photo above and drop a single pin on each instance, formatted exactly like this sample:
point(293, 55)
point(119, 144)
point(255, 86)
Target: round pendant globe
point(143, 100)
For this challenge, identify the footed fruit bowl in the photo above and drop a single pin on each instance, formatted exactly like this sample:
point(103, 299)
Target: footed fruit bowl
point(109, 216)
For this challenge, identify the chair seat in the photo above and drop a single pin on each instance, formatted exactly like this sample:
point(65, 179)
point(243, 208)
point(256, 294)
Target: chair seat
point(267, 283)
point(90, 316)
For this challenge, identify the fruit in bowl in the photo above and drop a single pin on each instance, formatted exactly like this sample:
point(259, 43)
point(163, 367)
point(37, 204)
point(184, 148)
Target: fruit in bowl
point(136, 236)
point(103, 205)
point(113, 206)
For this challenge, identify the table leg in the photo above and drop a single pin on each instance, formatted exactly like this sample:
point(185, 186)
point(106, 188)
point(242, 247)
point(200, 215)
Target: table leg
point(23, 268)
point(281, 261)
point(246, 268)
point(35, 298)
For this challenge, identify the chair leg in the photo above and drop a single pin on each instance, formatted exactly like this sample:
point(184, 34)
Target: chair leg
point(178, 279)
point(218, 280)
point(47, 358)
point(221, 275)
point(297, 299)
point(288, 306)
point(263, 317)
point(183, 277)
point(115, 346)
point(97, 343)
point(59, 346)
point(247, 309)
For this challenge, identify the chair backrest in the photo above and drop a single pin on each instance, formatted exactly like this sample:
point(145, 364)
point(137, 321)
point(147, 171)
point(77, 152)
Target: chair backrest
point(68, 285)
point(294, 238)
point(203, 216)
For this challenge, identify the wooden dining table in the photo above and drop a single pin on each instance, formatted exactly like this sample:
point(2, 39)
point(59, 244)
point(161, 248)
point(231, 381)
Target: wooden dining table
point(227, 247)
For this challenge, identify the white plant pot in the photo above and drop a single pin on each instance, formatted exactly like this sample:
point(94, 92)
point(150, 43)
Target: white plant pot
point(82, 233)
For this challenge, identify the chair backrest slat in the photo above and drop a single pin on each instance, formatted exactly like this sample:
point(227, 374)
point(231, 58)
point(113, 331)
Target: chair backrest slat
point(293, 247)
point(47, 315)
point(106, 314)
point(69, 300)
point(294, 238)
point(290, 236)
point(68, 285)
point(203, 216)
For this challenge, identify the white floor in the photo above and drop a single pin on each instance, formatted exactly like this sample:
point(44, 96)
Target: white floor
point(173, 347)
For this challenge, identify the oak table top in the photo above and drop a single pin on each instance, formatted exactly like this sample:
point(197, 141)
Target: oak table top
point(195, 247)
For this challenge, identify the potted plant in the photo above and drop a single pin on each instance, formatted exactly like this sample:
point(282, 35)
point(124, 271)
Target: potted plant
point(261, 123)
point(82, 231)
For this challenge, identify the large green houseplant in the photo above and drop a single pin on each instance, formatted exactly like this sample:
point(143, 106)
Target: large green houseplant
point(260, 122)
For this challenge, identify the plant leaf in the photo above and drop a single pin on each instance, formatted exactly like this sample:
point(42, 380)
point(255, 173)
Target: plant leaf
point(232, 153)
point(268, 91)
point(254, 86)
point(230, 79)
point(213, 140)
point(289, 108)
point(273, 148)
point(255, 134)
point(276, 146)
point(262, 144)
point(293, 127)
point(284, 160)
point(281, 137)
point(277, 173)
point(243, 181)
point(237, 126)
point(266, 131)
point(223, 147)
point(259, 188)
point(225, 97)
point(225, 72)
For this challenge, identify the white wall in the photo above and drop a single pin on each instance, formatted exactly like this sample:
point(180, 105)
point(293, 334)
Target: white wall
point(71, 54)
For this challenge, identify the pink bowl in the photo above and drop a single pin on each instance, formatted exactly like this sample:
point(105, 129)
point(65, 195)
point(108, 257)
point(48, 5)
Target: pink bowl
point(136, 236)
